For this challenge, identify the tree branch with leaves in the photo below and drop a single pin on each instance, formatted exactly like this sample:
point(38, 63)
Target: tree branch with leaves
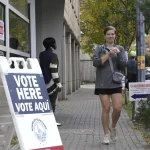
point(97, 14)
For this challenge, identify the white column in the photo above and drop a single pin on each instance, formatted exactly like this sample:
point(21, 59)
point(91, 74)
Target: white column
point(7, 29)
point(64, 63)
point(32, 28)
point(68, 44)
point(74, 65)
point(77, 67)
point(79, 74)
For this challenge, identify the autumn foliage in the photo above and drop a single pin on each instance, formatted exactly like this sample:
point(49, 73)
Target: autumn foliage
point(97, 14)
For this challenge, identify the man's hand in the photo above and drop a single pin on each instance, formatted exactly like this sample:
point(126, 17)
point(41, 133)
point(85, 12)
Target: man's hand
point(59, 87)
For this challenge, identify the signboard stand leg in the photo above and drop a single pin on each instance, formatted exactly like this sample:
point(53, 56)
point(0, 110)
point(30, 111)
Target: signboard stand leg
point(133, 111)
point(9, 136)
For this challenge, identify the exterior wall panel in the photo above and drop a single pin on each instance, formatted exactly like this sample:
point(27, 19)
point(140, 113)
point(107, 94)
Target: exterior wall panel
point(49, 22)
point(48, 18)
point(71, 16)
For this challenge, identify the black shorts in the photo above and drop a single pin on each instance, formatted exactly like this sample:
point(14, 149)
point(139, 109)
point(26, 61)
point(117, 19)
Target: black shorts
point(108, 91)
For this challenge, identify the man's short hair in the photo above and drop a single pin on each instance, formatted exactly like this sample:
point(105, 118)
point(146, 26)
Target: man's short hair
point(49, 42)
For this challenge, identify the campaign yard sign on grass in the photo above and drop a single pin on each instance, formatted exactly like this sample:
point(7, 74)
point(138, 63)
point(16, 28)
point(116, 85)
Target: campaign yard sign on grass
point(31, 111)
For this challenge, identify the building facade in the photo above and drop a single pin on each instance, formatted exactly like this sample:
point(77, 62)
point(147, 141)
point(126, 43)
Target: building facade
point(25, 23)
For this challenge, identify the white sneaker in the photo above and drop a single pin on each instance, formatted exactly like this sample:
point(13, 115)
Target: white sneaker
point(106, 139)
point(58, 124)
point(113, 134)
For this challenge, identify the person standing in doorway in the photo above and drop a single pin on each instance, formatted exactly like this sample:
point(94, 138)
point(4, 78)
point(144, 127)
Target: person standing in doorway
point(131, 69)
point(105, 87)
point(49, 66)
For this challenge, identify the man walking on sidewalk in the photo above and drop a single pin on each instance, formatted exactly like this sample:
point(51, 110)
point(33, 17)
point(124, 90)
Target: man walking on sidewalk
point(49, 65)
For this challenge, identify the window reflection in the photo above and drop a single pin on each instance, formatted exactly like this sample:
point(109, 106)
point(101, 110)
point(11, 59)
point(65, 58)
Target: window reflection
point(2, 53)
point(14, 43)
point(19, 33)
point(1, 12)
point(2, 25)
point(20, 5)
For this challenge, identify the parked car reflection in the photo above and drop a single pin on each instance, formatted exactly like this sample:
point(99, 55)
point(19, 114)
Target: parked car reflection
point(147, 73)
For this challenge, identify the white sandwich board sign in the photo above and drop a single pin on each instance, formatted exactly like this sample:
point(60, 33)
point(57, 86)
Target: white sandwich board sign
point(29, 105)
point(139, 91)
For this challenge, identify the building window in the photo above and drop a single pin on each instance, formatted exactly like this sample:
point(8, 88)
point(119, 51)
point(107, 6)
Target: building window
point(19, 33)
point(20, 5)
point(2, 25)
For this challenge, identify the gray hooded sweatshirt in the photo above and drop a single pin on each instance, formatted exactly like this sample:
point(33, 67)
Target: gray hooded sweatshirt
point(103, 71)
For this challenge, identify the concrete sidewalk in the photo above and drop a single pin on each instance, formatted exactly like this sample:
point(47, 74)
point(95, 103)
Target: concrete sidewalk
point(81, 125)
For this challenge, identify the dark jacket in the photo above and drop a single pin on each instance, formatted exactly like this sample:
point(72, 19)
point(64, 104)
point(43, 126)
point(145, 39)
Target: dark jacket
point(49, 66)
point(132, 70)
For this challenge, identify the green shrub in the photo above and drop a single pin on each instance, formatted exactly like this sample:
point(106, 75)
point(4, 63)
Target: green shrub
point(143, 113)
